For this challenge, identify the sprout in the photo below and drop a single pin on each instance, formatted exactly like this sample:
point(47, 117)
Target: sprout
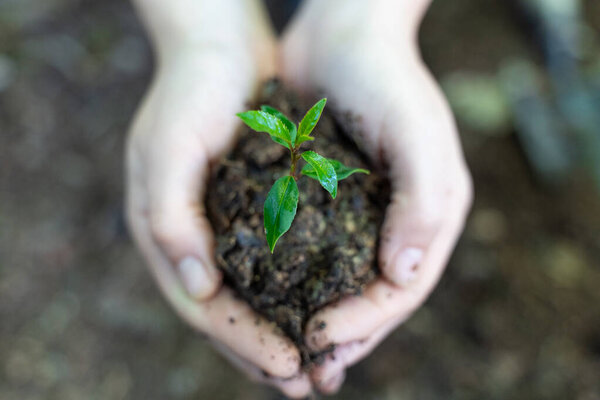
point(282, 201)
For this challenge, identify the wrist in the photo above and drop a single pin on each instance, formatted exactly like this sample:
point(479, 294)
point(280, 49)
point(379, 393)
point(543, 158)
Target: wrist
point(391, 20)
point(185, 27)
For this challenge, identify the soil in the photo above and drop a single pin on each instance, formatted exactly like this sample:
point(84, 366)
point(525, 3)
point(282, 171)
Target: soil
point(330, 250)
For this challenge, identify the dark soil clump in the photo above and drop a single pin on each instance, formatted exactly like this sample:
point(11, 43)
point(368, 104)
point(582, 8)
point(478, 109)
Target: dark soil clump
point(330, 250)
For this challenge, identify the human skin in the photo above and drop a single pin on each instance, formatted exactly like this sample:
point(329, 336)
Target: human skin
point(211, 57)
point(364, 56)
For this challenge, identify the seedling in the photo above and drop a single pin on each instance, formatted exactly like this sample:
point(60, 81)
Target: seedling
point(282, 201)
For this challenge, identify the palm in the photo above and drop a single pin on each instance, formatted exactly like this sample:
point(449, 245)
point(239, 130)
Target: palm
point(407, 127)
point(186, 121)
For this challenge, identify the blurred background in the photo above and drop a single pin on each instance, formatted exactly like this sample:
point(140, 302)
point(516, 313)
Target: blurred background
point(516, 316)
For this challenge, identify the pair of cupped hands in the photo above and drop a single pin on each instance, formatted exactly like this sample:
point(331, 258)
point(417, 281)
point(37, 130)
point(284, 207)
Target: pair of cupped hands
point(211, 58)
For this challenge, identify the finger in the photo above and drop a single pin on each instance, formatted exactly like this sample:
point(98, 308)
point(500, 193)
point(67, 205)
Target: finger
point(357, 317)
point(224, 317)
point(333, 385)
point(177, 215)
point(296, 387)
point(234, 323)
point(419, 142)
point(346, 355)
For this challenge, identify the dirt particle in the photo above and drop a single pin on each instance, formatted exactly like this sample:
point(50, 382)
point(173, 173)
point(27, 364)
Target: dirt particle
point(231, 320)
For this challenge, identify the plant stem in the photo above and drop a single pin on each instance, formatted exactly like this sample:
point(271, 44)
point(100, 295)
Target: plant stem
point(295, 157)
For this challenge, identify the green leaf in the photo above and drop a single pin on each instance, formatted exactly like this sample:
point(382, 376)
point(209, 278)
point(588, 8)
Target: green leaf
point(324, 171)
point(280, 209)
point(302, 139)
point(261, 121)
point(343, 171)
point(283, 118)
point(311, 118)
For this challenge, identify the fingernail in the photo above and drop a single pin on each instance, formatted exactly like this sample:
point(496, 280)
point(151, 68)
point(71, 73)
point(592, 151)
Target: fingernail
point(195, 278)
point(405, 269)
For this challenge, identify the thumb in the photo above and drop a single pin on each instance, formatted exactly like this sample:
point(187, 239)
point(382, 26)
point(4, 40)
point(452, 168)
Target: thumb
point(410, 225)
point(178, 220)
point(429, 178)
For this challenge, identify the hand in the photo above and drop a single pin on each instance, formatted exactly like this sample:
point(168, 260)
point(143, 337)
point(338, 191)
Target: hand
point(186, 121)
point(363, 56)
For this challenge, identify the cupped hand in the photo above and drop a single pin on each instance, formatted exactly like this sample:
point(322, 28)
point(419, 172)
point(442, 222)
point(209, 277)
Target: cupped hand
point(364, 57)
point(186, 121)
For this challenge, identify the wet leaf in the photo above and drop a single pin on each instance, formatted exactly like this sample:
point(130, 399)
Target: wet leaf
point(324, 172)
point(303, 139)
point(283, 118)
point(311, 119)
point(343, 171)
point(280, 209)
point(261, 121)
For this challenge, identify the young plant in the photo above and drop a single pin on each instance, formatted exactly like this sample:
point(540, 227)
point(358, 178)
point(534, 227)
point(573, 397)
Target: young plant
point(282, 200)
